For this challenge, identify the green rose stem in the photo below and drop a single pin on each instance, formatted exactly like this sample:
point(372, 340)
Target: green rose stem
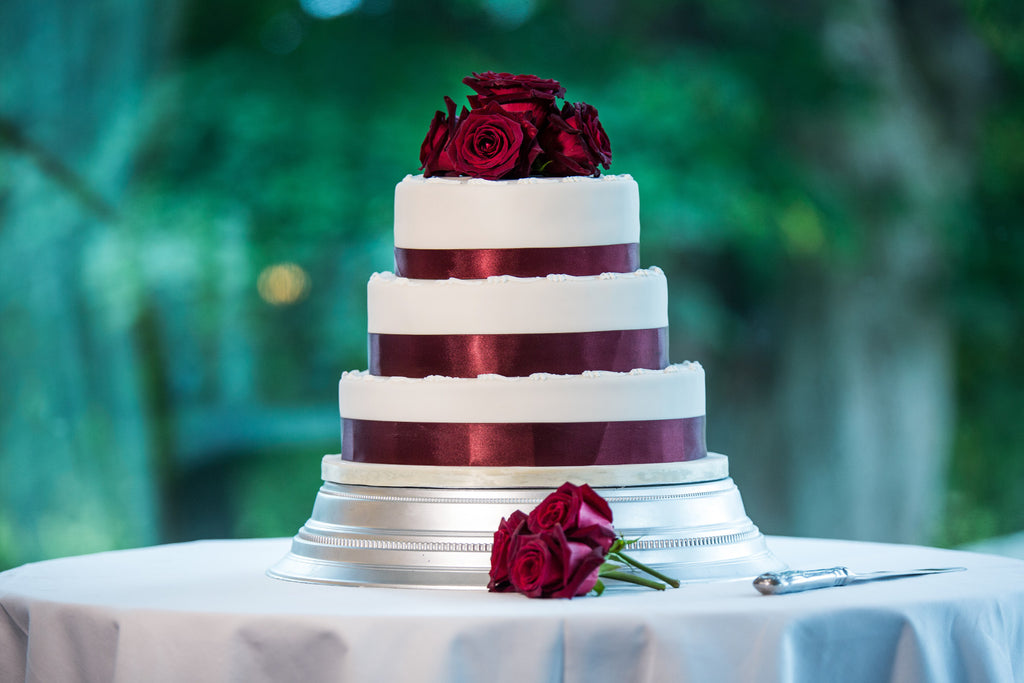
point(630, 578)
point(615, 553)
point(644, 568)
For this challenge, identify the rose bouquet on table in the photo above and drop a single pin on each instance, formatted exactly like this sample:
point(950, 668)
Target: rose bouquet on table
point(563, 548)
point(515, 129)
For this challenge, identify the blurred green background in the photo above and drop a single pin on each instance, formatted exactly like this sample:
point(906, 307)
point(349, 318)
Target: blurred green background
point(193, 195)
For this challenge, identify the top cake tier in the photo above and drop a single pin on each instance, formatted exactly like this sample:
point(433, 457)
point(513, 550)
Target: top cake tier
point(470, 228)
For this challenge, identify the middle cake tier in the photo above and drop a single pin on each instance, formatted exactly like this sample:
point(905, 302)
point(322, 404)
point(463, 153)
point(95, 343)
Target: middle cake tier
point(515, 327)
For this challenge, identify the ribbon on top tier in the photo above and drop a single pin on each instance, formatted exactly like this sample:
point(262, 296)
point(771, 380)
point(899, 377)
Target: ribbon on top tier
point(517, 355)
point(539, 444)
point(474, 264)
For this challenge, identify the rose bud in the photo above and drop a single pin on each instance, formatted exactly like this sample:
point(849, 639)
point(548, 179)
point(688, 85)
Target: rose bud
point(434, 157)
point(593, 131)
point(507, 532)
point(580, 567)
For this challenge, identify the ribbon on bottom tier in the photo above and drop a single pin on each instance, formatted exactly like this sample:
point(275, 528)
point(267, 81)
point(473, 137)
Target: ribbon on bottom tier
point(517, 355)
point(536, 444)
point(471, 264)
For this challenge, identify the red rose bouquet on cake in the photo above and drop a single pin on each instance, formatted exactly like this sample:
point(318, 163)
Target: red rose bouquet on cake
point(564, 548)
point(515, 129)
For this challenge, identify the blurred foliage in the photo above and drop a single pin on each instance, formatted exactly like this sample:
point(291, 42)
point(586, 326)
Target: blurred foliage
point(277, 137)
point(303, 127)
point(307, 144)
point(988, 304)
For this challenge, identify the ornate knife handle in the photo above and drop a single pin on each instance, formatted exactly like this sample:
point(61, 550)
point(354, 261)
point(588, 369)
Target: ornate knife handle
point(777, 583)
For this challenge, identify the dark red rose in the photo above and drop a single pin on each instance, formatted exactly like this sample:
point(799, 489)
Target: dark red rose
point(574, 142)
point(434, 157)
point(579, 570)
point(528, 95)
point(597, 139)
point(548, 565)
point(579, 511)
point(534, 564)
point(493, 144)
point(504, 537)
point(596, 535)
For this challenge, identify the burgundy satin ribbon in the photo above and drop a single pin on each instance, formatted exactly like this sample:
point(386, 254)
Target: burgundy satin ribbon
point(472, 264)
point(538, 444)
point(517, 355)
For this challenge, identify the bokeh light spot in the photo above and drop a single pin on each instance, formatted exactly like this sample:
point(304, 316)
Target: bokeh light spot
point(329, 9)
point(282, 284)
point(802, 229)
point(510, 13)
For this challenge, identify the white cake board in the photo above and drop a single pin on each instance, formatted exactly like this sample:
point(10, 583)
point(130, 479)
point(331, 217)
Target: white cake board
point(339, 471)
point(402, 526)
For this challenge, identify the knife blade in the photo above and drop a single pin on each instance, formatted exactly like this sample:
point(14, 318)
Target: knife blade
point(796, 580)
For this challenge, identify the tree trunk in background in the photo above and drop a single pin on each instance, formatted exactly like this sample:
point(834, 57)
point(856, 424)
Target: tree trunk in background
point(75, 451)
point(867, 370)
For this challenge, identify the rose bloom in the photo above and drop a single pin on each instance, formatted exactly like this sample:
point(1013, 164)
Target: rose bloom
point(493, 144)
point(548, 565)
point(507, 531)
point(574, 142)
point(434, 157)
point(523, 94)
point(581, 513)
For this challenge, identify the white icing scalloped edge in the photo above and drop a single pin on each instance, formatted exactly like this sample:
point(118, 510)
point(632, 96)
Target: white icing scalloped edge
point(388, 276)
point(594, 396)
point(683, 366)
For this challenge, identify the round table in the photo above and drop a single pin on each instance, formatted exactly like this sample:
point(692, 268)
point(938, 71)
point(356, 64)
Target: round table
point(205, 611)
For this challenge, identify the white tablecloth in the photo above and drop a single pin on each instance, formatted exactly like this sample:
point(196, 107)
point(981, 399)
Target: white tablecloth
point(205, 611)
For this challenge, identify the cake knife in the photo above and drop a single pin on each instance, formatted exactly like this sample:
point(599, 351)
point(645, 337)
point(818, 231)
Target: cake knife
point(794, 581)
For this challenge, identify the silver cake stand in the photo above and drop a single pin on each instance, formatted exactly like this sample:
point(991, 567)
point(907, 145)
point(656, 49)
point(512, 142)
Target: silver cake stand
point(431, 527)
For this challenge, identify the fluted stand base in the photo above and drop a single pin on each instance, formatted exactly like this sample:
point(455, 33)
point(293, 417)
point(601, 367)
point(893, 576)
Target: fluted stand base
point(373, 528)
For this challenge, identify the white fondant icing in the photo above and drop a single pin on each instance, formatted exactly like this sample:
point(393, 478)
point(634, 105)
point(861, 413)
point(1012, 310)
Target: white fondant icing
point(594, 396)
point(470, 213)
point(504, 304)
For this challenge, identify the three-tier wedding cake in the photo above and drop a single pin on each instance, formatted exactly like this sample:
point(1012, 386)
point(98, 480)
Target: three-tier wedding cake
point(518, 345)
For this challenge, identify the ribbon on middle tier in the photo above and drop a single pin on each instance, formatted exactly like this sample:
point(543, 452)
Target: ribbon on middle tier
point(538, 444)
point(517, 355)
point(471, 264)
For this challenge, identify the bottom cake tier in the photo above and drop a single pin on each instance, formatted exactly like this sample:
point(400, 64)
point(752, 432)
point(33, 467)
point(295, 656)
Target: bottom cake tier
point(415, 527)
